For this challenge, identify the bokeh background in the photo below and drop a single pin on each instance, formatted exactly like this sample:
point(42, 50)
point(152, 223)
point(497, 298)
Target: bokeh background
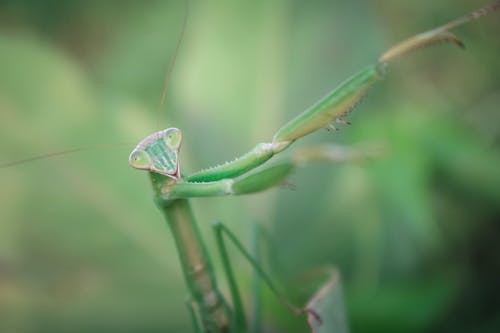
point(415, 233)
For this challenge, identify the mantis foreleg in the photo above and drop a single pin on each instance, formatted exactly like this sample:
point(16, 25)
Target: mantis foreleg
point(331, 108)
point(259, 179)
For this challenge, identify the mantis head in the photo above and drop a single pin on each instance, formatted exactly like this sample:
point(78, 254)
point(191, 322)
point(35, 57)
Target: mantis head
point(159, 153)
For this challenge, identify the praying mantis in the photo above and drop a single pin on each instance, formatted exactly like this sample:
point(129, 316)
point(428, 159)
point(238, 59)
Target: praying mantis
point(236, 178)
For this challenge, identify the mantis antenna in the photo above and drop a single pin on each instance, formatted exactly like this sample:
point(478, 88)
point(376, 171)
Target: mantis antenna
point(168, 77)
point(59, 153)
point(171, 65)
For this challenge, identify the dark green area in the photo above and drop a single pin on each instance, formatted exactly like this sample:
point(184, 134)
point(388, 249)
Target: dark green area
point(415, 233)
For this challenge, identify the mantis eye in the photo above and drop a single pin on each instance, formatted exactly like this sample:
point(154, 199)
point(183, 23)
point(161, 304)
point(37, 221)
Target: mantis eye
point(173, 138)
point(139, 159)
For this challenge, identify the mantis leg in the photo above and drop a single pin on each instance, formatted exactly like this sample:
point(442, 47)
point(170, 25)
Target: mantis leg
point(256, 319)
point(259, 179)
point(256, 312)
point(221, 230)
point(252, 182)
point(336, 104)
point(239, 313)
point(331, 107)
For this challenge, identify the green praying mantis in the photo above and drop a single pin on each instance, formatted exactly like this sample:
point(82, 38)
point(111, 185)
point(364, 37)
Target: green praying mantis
point(159, 154)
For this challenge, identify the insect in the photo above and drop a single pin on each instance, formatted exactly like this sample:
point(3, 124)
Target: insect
point(95, 194)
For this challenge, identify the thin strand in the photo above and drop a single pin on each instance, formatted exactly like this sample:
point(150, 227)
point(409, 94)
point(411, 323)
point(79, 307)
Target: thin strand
point(59, 153)
point(171, 65)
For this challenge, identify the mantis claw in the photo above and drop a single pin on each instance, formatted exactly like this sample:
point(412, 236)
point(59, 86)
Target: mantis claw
point(286, 185)
point(419, 41)
point(331, 127)
point(343, 122)
point(314, 314)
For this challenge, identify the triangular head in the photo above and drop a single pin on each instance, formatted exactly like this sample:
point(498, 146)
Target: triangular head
point(159, 153)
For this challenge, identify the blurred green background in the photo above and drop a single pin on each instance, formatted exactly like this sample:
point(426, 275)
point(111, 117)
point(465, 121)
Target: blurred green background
point(415, 234)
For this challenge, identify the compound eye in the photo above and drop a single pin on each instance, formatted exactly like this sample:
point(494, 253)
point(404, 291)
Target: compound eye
point(173, 138)
point(139, 159)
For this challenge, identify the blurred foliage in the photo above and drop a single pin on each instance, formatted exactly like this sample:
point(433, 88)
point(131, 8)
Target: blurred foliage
point(415, 233)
